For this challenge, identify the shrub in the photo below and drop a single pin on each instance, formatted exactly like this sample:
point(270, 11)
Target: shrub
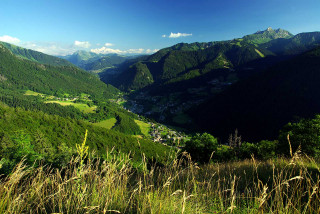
point(201, 147)
point(223, 153)
point(248, 149)
point(267, 149)
point(304, 134)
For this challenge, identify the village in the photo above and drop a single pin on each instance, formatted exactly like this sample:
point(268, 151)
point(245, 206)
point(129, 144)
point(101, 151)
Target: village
point(157, 132)
point(166, 136)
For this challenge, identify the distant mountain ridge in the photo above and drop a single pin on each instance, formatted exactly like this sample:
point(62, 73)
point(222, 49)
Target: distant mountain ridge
point(267, 35)
point(294, 45)
point(79, 57)
point(105, 62)
point(36, 56)
point(93, 62)
point(184, 61)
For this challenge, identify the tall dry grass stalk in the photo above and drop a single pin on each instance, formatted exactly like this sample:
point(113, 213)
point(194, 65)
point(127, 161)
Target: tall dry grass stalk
point(113, 186)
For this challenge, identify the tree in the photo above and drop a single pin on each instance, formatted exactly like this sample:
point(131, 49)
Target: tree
point(305, 133)
point(201, 146)
point(267, 149)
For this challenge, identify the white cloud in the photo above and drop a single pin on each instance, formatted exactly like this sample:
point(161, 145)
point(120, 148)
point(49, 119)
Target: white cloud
point(108, 44)
point(62, 49)
point(106, 50)
point(135, 51)
point(177, 35)
point(82, 44)
point(9, 39)
point(50, 48)
point(149, 51)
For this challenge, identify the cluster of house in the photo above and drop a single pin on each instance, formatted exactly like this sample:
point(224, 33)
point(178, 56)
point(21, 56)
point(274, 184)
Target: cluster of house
point(158, 133)
point(164, 135)
point(135, 107)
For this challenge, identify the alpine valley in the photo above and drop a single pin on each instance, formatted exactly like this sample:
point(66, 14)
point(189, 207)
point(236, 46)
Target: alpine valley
point(163, 133)
point(253, 85)
point(159, 107)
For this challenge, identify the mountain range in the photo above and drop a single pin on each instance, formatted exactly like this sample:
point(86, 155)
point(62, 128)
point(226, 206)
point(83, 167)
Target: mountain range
point(186, 61)
point(167, 84)
point(255, 84)
point(95, 63)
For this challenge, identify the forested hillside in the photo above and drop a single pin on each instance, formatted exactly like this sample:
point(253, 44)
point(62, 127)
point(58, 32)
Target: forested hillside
point(295, 45)
point(180, 77)
point(259, 106)
point(187, 61)
point(52, 138)
point(17, 73)
point(35, 55)
point(46, 109)
point(179, 65)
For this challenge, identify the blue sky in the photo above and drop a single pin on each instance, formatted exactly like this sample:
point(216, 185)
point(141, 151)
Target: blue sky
point(60, 27)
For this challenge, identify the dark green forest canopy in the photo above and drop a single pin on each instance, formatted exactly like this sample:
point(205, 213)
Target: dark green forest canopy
point(105, 110)
point(177, 63)
point(261, 105)
point(53, 138)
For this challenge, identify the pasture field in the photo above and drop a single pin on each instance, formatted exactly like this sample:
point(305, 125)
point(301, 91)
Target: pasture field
point(81, 106)
point(145, 127)
point(108, 124)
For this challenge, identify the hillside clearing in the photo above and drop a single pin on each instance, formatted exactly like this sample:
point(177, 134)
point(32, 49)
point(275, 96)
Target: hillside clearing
point(258, 52)
point(108, 124)
point(145, 127)
point(81, 106)
point(33, 93)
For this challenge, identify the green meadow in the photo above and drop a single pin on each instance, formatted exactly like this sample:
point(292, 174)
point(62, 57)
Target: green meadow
point(145, 127)
point(108, 124)
point(81, 106)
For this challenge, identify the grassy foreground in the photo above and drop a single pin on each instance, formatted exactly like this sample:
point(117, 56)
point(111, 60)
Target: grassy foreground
point(113, 186)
